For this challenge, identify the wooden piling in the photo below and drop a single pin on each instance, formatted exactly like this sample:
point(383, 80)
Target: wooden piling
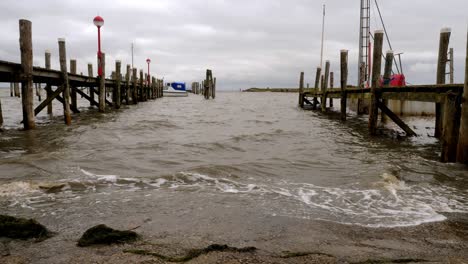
point(48, 87)
point(316, 87)
point(91, 91)
point(11, 89)
point(332, 84)
point(102, 84)
point(451, 67)
point(214, 88)
point(462, 149)
point(73, 94)
point(27, 88)
point(386, 79)
point(135, 89)
point(375, 85)
point(116, 92)
point(142, 81)
point(441, 76)
point(301, 90)
point(17, 90)
point(451, 127)
point(127, 85)
point(343, 81)
point(65, 84)
point(1, 116)
point(325, 86)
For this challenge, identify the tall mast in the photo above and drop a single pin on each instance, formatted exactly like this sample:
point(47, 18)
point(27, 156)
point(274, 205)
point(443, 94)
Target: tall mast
point(132, 55)
point(364, 42)
point(323, 37)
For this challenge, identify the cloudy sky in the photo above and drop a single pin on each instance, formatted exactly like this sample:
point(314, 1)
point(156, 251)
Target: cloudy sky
point(247, 43)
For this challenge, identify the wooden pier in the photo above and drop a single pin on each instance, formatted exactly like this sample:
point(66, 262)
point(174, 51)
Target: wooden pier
point(207, 87)
point(451, 100)
point(68, 84)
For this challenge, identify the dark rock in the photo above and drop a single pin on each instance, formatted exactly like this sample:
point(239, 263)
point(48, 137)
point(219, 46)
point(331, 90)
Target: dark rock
point(21, 228)
point(102, 234)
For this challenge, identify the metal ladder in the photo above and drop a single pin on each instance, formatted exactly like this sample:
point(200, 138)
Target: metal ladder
point(364, 38)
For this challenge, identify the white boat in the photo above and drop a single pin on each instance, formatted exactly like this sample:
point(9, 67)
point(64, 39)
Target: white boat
point(175, 89)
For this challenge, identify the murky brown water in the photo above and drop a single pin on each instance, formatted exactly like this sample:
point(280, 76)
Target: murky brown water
point(234, 168)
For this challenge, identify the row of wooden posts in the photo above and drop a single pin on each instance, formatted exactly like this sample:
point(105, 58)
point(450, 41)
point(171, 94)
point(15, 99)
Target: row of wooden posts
point(451, 100)
point(207, 87)
point(128, 90)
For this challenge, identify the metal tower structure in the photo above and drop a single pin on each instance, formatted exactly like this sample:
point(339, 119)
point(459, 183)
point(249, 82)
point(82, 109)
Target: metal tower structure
point(364, 43)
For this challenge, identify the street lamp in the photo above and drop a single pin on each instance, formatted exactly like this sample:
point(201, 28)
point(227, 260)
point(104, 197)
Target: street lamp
point(148, 61)
point(99, 22)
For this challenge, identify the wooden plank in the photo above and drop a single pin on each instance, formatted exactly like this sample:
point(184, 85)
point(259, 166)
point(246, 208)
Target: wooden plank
point(396, 119)
point(51, 95)
point(87, 97)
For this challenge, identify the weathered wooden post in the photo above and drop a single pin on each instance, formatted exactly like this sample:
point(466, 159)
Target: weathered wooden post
point(316, 87)
point(48, 86)
point(462, 150)
point(127, 85)
point(451, 127)
point(17, 90)
point(91, 90)
point(116, 93)
point(441, 75)
point(325, 86)
point(38, 91)
point(135, 87)
point(386, 79)
point(343, 82)
point(301, 90)
point(451, 63)
point(27, 88)
point(73, 94)
point(214, 88)
point(1, 116)
point(102, 84)
point(332, 84)
point(141, 86)
point(375, 85)
point(66, 86)
point(11, 89)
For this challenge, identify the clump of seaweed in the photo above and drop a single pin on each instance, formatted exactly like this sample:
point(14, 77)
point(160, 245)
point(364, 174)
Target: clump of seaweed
point(193, 253)
point(104, 235)
point(22, 228)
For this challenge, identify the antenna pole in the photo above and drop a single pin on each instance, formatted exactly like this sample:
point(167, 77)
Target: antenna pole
point(132, 55)
point(323, 36)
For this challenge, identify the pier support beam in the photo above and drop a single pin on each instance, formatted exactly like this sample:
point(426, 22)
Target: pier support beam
point(90, 89)
point(462, 149)
point(73, 94)
point(332, 84)
point(316, 87)
point(141, 90)
point(27, 88)
point(116, 93)
point(375, 89)
point(325, 86)
point(127, 85)
point(102, 84)
point(48, 86)
point(451, 127)
point(65, 85)
point(441, 75)
point(386, 78)
point(343, 81)
point(301, 90)
point(135, 88)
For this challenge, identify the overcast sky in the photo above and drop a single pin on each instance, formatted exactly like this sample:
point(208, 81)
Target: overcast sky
point(246, 43)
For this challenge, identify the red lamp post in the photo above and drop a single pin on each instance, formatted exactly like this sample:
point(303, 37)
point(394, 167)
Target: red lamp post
point(99, 22)
point(148, 61)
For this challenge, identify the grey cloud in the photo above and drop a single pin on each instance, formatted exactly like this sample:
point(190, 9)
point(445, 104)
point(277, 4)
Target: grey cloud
point(246, 43)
